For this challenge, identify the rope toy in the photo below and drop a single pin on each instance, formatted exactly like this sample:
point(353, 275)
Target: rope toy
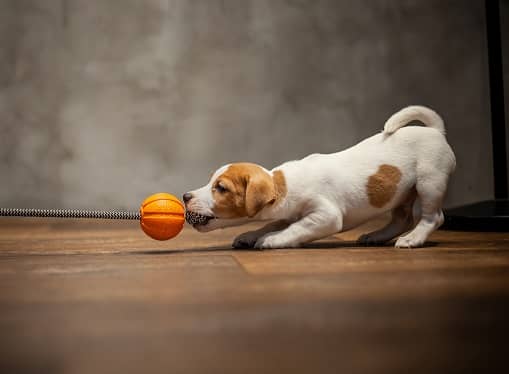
point(196, 219)
point(161, 215)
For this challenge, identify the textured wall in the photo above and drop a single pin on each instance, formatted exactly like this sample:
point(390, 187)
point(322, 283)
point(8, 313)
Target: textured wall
point(103, 102)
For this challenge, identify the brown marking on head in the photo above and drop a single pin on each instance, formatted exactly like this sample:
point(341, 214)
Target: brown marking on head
point(280, 184)
point(244, 189)
point(382, 185)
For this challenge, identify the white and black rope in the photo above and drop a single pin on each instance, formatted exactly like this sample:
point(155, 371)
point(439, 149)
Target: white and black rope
point(69, 213)
point(194, 218)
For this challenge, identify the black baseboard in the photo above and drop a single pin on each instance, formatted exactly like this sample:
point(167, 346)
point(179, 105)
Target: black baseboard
point(489, 215)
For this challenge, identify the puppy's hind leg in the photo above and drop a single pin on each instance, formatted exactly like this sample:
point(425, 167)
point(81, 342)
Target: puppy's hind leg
point(248, 239)
point(431, 192)
point(401, 221)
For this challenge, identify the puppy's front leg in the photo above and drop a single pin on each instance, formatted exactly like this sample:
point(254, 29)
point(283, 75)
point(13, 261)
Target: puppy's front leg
point(248, 239)
point(315, 225)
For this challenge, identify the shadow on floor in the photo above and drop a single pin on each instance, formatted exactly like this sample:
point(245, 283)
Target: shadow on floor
point(325, 245)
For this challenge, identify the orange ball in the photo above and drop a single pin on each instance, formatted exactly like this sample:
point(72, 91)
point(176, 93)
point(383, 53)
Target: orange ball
point(162, 216)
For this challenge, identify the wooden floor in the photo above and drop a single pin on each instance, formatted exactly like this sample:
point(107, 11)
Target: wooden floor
point(98, 296)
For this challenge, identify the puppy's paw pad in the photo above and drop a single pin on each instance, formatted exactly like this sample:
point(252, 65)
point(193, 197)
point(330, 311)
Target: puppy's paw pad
point(246, 240)
point(240, 244)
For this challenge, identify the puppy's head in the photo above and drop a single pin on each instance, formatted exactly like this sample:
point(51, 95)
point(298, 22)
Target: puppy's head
point(234, 191)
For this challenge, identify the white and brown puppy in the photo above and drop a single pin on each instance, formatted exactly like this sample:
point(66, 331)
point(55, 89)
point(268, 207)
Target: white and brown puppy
point(403, 169)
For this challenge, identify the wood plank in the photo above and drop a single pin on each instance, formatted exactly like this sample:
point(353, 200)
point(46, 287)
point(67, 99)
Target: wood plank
point(89, 296)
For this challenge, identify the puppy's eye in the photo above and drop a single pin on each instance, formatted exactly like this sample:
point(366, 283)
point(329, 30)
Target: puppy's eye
point(220, 188)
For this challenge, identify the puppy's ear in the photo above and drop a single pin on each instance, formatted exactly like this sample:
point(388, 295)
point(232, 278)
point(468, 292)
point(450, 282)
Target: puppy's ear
point(260, 191)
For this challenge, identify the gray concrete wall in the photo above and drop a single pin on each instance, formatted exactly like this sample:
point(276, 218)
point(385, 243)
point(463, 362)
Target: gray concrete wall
point(105, 102)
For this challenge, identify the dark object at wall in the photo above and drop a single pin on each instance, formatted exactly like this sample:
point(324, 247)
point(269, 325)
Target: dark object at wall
point(492, 215)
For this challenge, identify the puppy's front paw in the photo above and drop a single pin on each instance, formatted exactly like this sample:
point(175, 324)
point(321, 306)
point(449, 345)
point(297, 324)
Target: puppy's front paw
point(272, 241)
point(246, 240)
point(409, 241)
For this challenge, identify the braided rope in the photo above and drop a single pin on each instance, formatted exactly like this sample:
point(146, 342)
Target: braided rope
point(195, 218)
point(69, 213)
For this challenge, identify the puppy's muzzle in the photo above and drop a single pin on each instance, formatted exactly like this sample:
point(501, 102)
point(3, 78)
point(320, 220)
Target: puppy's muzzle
point(194, 218)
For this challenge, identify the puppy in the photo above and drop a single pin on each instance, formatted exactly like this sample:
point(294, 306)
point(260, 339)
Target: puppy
point(403, 169)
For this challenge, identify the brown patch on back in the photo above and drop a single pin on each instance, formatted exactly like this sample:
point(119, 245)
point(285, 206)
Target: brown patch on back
point(382, 185)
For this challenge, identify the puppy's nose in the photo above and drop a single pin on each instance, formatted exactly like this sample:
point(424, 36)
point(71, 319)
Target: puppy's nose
point(187, 196)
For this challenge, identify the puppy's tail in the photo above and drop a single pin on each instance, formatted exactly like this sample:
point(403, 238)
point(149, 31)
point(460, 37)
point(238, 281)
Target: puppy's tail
point(428, 117)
